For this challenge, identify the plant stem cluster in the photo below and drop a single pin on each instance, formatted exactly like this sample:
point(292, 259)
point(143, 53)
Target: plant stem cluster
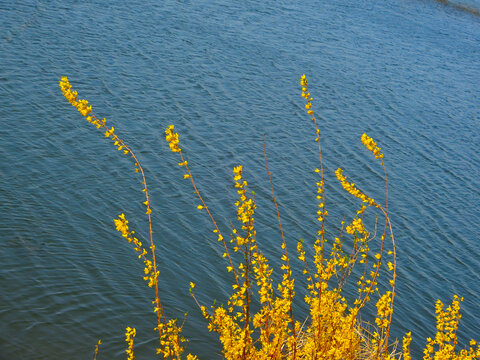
point(257, 320)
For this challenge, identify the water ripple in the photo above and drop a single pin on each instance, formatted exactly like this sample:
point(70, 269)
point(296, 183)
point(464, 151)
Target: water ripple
point(225, 74)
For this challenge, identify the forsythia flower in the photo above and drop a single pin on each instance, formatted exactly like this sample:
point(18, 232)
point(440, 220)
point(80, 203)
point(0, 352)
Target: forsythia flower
point(129, 336)
point(71, 96)
point(121, 224)
point(306, 95)
point(384, 309)
point(406, 346)
point(372, 146)
point(172, 139)
point(351, 188)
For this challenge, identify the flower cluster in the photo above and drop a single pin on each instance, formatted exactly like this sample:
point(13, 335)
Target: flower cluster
point(352, 189)
point(443, 345)
point(308, 106)
point(372, 146)
point(81, 105)
point(172, 139)
point(407, 339)
point(129, 336)
point(121, 224)
point(86, 110)
point(384, 310)
point(245, 208)
point(171, 340)
point(306, 94)
point(321, 212)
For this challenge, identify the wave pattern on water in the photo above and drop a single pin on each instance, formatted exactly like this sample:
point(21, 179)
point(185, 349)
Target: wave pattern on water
point(225, 74)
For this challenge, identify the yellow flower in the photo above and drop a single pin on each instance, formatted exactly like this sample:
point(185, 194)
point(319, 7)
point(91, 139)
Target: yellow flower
point(372, 146)
point(172, 139)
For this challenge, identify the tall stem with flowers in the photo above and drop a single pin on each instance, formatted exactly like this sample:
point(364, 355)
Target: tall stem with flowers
point(332, 329)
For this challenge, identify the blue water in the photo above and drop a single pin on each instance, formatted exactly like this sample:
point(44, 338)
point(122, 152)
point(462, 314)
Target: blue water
point(225, 73)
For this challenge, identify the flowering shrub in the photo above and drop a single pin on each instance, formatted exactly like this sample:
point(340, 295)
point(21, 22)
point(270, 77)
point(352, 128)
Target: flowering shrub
point(333, 329)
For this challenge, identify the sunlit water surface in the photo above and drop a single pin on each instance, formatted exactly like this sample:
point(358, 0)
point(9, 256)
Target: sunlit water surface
point(226, 73)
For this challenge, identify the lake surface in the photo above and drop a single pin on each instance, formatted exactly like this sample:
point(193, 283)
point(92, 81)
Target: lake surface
point(405, 72)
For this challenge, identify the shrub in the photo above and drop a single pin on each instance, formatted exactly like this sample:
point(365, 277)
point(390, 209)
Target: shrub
point(333, 329)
